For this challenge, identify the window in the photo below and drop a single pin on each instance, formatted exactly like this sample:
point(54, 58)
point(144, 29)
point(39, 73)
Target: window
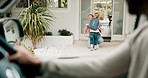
point(8, 14)
point(58, 4)
point(23, 4)
point(26, 3)
point(53, 3)
point(103, 7)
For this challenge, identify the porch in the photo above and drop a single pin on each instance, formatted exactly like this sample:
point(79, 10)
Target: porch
point(78, 50)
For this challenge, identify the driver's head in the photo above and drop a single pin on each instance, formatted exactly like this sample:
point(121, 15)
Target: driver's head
point(138, 6)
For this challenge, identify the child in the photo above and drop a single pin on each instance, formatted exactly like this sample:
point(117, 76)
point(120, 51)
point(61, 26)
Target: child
point(94, 35)
point(90, 16)
point(94, 30)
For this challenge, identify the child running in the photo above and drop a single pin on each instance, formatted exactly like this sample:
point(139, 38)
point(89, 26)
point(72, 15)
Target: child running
point(94, 33)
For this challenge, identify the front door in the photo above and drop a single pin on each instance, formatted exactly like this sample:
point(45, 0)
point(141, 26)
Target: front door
point(85, 11)
point(103, 7)
point(118, 20)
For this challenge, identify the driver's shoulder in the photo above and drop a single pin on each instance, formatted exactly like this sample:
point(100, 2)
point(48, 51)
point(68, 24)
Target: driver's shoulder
point(143, 34)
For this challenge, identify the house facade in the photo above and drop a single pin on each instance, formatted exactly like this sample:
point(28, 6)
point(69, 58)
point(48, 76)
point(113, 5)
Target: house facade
point(73, 17)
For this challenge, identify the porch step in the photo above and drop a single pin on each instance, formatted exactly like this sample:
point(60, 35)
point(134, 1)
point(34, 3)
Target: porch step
point(107, 39)
point(80, 41)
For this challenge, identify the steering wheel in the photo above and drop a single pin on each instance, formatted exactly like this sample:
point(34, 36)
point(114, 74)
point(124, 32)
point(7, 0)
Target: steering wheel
point(13, 69)
point(8, 69)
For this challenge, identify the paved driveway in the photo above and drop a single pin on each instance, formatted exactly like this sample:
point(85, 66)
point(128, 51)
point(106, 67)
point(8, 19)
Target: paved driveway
point(79, 49)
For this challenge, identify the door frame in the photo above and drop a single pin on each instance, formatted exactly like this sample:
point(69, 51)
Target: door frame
point(119, 37)
point(81, 36)
point(113, 37)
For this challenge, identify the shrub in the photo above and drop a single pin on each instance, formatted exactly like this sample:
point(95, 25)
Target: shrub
point(48, 33)
point(64, 32)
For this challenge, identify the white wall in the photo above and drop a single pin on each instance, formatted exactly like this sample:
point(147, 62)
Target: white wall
point(68, 19)
point(65, 18)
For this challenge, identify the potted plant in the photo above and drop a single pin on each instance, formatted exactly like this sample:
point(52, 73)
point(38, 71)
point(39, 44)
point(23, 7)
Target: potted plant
point(64, 38)
point(36, 20)
point(48, 33)
point(64, 32)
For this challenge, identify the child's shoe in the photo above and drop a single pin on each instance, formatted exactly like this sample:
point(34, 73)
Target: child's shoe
point(91, 47)
point(95, 47)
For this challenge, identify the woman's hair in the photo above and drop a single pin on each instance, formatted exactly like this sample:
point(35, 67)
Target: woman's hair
point(97, 15)
point(137, 21)
point(134, 5)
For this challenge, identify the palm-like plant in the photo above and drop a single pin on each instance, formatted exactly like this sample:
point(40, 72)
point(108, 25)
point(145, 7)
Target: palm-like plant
point(36, 20)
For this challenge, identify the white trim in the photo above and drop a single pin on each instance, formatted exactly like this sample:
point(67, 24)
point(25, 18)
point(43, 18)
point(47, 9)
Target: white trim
point(92, 7)
point(77, 36)
point(124, 19)
point(112, 18)
point(62, 10)
point(29, 3)
point(119, 37)
point(127, 20)
point(91, 11)
point(80, 19)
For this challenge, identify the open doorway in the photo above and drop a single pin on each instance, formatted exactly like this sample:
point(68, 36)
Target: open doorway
point(86, 9)
point(104, 8)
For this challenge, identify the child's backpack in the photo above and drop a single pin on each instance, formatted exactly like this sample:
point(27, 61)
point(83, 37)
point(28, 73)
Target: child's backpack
point(94, 23)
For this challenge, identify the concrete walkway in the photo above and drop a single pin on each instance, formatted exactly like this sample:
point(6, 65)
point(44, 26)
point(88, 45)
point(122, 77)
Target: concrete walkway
point(79, 49)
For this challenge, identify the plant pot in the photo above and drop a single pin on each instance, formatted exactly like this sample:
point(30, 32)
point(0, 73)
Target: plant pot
point(56, 41)
point(52, 41)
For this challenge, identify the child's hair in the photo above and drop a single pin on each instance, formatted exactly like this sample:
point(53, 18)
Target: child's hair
point(91, 15)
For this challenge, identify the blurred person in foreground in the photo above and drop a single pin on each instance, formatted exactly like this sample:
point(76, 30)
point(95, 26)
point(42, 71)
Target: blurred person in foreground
point(130, 57)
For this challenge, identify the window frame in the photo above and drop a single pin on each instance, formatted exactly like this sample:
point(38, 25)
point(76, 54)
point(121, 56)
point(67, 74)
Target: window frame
point(62, 10)
point(54, 10)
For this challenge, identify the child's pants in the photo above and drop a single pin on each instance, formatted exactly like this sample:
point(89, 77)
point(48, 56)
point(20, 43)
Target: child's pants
point(94, 38)
point(99, 41)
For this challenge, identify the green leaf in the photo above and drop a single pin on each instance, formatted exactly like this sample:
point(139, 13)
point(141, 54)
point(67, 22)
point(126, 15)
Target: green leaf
point(36, 20)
